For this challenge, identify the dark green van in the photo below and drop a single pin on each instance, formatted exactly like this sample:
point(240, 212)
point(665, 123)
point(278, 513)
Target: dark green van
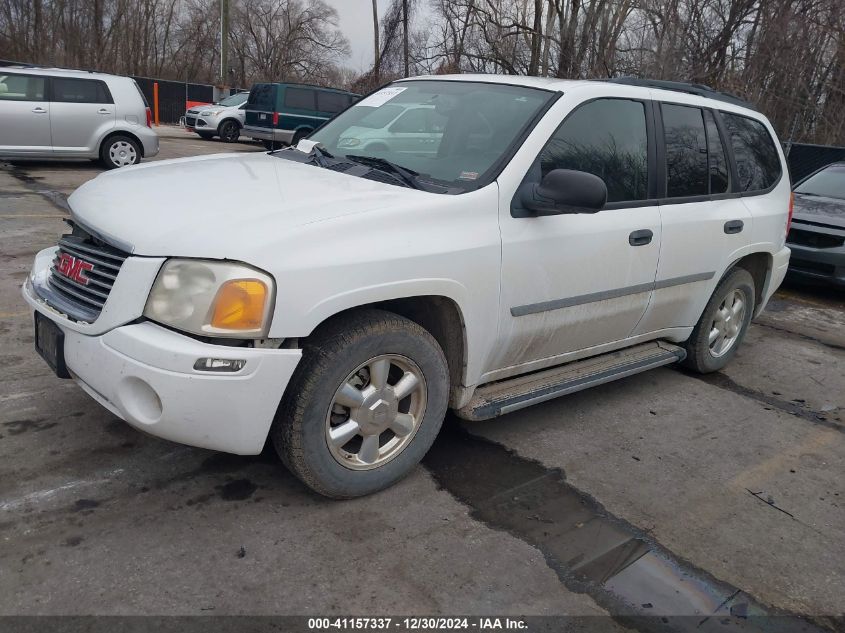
point(283, 113)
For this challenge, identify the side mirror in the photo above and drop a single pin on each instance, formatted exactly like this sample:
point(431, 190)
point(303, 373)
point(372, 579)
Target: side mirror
point(562, 191)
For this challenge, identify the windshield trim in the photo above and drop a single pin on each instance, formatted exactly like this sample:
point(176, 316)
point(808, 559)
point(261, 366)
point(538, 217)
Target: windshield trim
point(498, 166)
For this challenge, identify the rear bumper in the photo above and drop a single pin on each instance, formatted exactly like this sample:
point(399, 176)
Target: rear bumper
point(780, 263)
point(268, 134)
point(149, 139)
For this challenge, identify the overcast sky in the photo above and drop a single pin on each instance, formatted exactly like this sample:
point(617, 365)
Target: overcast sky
point(356, 22)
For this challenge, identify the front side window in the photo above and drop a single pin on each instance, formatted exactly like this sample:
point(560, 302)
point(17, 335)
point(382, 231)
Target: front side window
point(67, 90)
point(300, 98)
point(21, 87)
point(686, 151)
point(607, 138)
point(262, 97)
point(757, 161)
point(468, 129)
point(829, 183)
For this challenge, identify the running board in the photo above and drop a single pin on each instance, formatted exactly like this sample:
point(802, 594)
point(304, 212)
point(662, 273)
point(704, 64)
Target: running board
point(504, 396)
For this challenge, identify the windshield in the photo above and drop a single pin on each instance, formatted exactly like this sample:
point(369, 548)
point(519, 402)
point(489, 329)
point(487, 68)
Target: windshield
point(234, 100)
point(829, 182)
point(451, 133)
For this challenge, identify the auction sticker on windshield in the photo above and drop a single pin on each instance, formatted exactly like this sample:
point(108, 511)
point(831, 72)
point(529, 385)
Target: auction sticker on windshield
point(381, 97)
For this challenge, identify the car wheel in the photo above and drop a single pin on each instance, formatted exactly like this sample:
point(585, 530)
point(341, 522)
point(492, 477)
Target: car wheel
point(298, 137)
point(229, 131)
point(723, 325)
point(206, 136)
point(120, 151)
point(364, 405)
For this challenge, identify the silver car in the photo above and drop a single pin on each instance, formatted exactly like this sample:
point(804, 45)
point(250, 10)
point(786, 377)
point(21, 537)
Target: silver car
point(224, 118)
point(57, 113)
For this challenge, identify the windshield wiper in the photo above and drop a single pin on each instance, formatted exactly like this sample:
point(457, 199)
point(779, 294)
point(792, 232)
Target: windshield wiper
point(408, 176)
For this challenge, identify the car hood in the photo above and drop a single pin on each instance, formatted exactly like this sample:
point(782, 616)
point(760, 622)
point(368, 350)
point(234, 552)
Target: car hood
point(223, 206)
point(830, 211)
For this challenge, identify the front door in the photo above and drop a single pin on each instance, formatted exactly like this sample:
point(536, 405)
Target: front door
point(25, 115)
point(574, 281)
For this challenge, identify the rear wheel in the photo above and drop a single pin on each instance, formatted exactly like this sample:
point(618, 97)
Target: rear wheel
point(229, 131)
point(301, 134)
point(723, 325)
point(364, 406)
point(120, 151)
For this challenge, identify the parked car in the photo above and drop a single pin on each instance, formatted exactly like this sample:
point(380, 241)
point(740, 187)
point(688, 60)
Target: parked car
point(223, 119)
point(601, 230)
point(817, 236)
point(281, 114)
point(57, 113)
point(398, 129)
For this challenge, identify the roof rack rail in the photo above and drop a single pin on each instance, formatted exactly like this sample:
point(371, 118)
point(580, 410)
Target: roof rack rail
point(678, 86)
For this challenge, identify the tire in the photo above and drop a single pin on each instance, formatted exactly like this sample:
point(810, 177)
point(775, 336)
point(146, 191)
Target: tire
point(704, 355)
point(120, 151)
point(206, 136)
point(309, 413)
point(301, 134)
point(229, 131)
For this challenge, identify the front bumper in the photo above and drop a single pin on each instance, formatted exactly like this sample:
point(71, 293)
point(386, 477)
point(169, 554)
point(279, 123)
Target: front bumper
point(268, 134)
point(144, 373)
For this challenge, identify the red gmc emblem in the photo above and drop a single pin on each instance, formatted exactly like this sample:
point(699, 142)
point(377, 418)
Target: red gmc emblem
point(74, 268)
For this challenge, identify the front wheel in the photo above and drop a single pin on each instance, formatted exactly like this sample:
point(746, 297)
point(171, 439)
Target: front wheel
point(229, 131)
point(120, 151)
point(364, 406)
point(723, 324)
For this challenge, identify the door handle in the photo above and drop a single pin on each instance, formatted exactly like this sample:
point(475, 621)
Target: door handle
point(734, 226)
point(103, 111)
point(39, 110)
point(640, 238)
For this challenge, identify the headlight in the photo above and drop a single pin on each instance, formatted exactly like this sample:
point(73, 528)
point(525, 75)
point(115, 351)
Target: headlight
point(212, 298)
point(206, 113)
point(349, 142)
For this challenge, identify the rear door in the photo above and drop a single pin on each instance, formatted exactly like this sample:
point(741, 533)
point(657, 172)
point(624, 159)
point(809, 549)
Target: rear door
point(25, 114)
point(705, 223)
point(260, 105)
point(82, 112)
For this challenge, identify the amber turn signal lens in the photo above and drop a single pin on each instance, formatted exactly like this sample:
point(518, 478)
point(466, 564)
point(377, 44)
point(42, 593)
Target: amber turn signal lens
point(239, 305)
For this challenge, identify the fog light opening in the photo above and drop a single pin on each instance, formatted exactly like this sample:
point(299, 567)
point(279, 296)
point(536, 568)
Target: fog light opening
point(226, 365)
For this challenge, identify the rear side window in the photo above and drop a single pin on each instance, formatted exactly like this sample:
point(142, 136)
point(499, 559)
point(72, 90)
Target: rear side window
point(67, 90)
point(332, 102)
point(605, 137)
point(686, 151)
point(757, 162)
point(300, 98)
point(262, 97)
point(21, 87)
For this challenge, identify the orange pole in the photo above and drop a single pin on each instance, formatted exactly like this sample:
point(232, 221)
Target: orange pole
point(155, 101)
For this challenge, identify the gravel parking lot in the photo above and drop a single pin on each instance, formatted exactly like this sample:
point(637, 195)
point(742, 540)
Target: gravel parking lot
point(664, 493)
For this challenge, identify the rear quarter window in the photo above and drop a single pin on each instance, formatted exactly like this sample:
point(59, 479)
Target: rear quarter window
point(757, 161)
point(70, 90)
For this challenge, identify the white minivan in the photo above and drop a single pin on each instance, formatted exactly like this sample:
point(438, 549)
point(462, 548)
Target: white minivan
point(561, 235)
point(59, 113)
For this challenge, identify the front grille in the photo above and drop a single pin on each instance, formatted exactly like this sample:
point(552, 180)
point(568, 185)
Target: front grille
point(813, 239)
point(190, 121)
point(83, 273)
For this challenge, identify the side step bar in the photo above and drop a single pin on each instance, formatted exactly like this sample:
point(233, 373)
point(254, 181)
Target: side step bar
point(502, 397)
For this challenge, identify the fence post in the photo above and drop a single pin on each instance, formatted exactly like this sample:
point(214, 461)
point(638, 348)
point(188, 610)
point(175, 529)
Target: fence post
point(155, 101)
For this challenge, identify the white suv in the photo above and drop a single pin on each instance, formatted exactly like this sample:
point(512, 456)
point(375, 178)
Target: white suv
point(602, 229)
point(57, 113)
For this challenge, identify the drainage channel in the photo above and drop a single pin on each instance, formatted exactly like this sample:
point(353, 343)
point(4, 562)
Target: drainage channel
point(624, 570)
